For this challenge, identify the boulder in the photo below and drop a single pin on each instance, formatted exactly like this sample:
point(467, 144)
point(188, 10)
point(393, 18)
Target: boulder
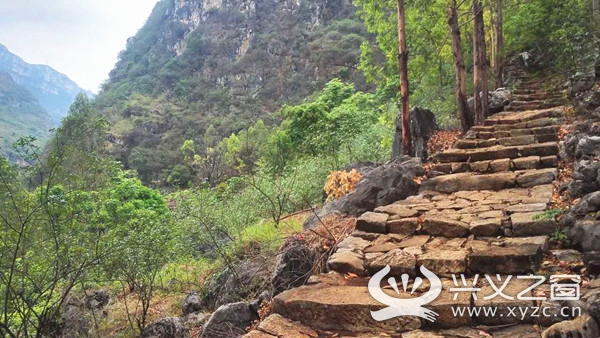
point(294, 267)
point(386, 184)
point(252, 276)
point(586, 206)
point(498, 99)
point(588, 101)
point(584, 326)
point(169, 327)
point(592, 263)
point(196, 319)
point(586, 233)
point(97, 299)
point(191, 303)
point(588, 146)
point(585, 178)
point(422, 128)
point(580, 83)
point(229, 320)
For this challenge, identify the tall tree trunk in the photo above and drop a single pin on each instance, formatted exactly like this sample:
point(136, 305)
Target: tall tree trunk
point(477, 62)
point(466, 120)
point(596, 14)
point(407, 148)
point(499, 46)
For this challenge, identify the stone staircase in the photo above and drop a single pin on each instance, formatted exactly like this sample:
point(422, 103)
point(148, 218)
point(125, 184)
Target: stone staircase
point(482, 212)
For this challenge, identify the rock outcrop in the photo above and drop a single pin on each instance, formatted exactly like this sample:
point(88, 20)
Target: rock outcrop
point(380, 186)
point(422, 127)
point(169, 327)
point(230, 320)
point(294, 266)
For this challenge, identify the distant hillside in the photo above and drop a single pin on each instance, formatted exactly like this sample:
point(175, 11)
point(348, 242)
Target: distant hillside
point(54, 91)
point(20, 115)
point(197, 63)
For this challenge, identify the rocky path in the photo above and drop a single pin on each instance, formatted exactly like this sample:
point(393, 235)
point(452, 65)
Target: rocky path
point(484, 212)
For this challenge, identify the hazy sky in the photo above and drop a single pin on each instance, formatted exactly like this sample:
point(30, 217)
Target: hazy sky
point(79, 38)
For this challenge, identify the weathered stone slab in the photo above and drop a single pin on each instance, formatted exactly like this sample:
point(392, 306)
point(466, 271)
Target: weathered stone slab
point(443, 167)
point(467, 181)
point(476, 209)
point(397, 210)
point(524, 163)
point(472, 195)
point(344, 308)
point(539, 149)
point(353, 244)
point(444, 227)
point(443, 305)
point(481, 166)
point(385, 247)
point(279, 326)
point(502, 305)
point(372, 222)
point(486, 227)
point(492, 153)
point(414, 241)
point(491, 214)
point(532, 224)
point(549, 161)
point(519, 208)
point(532, 178)
point(400, 263)
point(500, 165)
point(542, 191)
point(506, 260)
point(404, 226)
point(460, 167)
point(444, 262)
point(517, 140)
point(346, 261)
point(453, 155)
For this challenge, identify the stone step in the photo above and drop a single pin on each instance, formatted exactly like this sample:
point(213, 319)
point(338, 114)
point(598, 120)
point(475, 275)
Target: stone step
point(538, 96)
point(498, 152)
point(519, 104)
point(497, 166)
point(330, 302)
point(506, 139)
point(331, 305)
point(544, 126)
point(528, 107)
point(498, 181)
point(481, 213)
point(525, 91)
point(524, 116)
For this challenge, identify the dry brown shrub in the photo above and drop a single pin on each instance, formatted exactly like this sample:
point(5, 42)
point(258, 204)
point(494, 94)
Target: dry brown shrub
point(340, 183)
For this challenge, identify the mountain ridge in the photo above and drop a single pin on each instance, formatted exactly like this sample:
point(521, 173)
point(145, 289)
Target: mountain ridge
point(222, 63)
point(53, 90)
point(20, 115)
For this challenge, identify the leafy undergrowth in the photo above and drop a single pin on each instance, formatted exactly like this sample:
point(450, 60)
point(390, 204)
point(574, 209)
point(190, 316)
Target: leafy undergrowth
point(177, 280)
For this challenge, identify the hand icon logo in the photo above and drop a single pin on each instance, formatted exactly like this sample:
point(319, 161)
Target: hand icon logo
point(408, 306)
